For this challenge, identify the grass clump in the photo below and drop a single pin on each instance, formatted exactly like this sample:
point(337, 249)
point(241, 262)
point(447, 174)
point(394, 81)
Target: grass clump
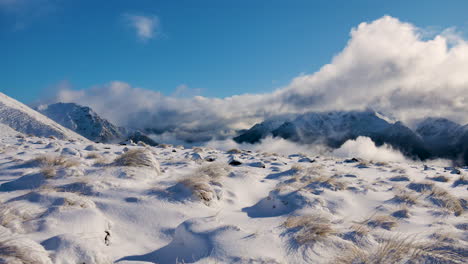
point(55, 161)
point(308, 229)
point(200, 189)
point(234, 151)
point(22, 251)
point(404, 197)
point(213, 170)
point(93, 155)
point(462, 180)
point(297, 167)
point(50, 163)
point(386, 222)
point(443, 198)
point(137, 158)
point(49, 172)
point(399, 250)
point(205, 182)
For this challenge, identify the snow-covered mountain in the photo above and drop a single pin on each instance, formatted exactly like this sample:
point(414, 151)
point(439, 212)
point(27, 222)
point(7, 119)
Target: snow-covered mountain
point(335, 128)
point(83, 120)
point(444, 138)
point(22, 118)
point(261, 130)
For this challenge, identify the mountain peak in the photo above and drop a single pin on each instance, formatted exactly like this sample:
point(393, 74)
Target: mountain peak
point(23, 119)
point(83, 120)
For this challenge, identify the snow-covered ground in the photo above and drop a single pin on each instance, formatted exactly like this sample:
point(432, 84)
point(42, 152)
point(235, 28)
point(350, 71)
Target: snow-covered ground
point(71, 202)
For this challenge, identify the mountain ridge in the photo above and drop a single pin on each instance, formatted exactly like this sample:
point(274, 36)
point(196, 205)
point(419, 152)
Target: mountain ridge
point(26, 120)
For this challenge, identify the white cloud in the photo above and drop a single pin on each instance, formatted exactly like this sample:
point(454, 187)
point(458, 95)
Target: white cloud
point(364, 147)
point(146, 27)
point(387, 65)
point(270, 145)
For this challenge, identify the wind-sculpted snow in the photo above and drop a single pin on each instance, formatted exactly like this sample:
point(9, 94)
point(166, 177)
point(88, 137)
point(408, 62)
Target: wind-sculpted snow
point(101, 203)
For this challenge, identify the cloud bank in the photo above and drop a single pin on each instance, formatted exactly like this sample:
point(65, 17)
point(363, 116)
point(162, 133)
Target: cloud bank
point(387, 65)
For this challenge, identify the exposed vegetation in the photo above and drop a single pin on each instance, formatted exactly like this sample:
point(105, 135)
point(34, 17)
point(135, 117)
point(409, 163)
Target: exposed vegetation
point(308, 229)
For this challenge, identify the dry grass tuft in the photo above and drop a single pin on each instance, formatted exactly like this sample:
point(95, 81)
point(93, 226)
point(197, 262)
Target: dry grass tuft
point(93, 155)
point(403, 196)
point(17, 250)
point(297, 167)
point(360, 229)
point(205, 180)
point(50, 163)
point(49, 172)
point(329, 182)
point(398, 250)
point(443, 198)
point(200, 189)
point(137, 158)
point(55, 161)
point(102, 161)
point(234, 151)
point(460, 181)
point(309, 228)
point(383, 221)
point(213, 170)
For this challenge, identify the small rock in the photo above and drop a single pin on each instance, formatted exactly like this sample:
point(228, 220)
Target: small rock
point(353, 160)
point(234, 162)
point(210, 158)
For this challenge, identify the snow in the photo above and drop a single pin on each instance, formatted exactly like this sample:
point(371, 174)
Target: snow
point(176, 206)
point(23, 119)
point(83, 120)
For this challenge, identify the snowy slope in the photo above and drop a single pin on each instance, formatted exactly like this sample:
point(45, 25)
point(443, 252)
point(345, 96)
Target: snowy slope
point(7, 131)
point(83, 120)
point(25, 120)
point(171, 205)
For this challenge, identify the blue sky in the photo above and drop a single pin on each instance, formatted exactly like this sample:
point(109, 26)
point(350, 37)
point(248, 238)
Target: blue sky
point(218, 48)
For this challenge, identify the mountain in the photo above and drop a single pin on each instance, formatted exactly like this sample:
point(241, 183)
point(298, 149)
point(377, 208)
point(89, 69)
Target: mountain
point(333, 128)
point(403, 139)
point(22, 118)
point(138, 136)
point(336, 127)
point(83, 120)
point(261, 130)
point(444, 138)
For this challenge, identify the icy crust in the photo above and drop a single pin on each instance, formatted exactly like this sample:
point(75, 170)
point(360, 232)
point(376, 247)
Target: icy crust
point(23, 119)
point(70, 202)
